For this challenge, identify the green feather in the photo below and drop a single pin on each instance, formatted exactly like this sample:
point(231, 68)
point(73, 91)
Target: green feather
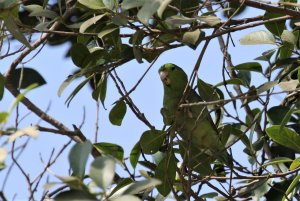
point(193, 124)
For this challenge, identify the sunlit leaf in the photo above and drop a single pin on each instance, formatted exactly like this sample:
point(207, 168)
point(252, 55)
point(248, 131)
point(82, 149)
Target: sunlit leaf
point(78, 157)
point(295, 164)
point(92, 21)
point(31, 131)
point(102, 171)
point(258, 37)
point(93, 4)
point(290, 85)
point(140, 186)
point(284, 136)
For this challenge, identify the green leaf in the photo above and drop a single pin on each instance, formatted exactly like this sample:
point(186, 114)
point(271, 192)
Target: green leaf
point(176, 20)
point(78, 157)
point(117, 113)
point(295, 164)
point(166, 172)
point(110, 29)
point(298, 75)
point(120, 185)
point(10, 23)
point(100, 90)
point(139, 186)
point(292, 186)
point(290, 85)
point(249, 66)
point(148, 9)
point(275, 28)
point(2, 86)
point(210, 20)
point(92, 21)
point(135, 155)
point(278, 160)
point(152, 140)
point(74, 195)
point(20, 97)
point(192, 38)
point(273, 116)
point(102, 171)
point(79, 53)
point(3, 117)
point(288, 37)
point(126, 198)
point(24, 77)
point(137, 39)
point(266, 56)
point(258, 37)
point(114, 150)
point(206, 91)
point(235, 81)
point(265, 87)
point(93, 4)
point(284, 136)
point(110, 4)
point(76, 90)
point(245, 77)
point(128, 4)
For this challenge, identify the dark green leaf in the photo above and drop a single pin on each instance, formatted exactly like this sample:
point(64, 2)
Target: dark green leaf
point(277, 27)
point(100, 90)
point(249, 66)
point(266, 56)
point(235, 81)
point(135, 154)
point(148, 165)
point(278, 189)
point(79, 53)
point(245, 77)
point(255, 112)
point(25, 77)
point(2, 87)
point(76, 90)
point(152, 140)
point(12, 27)
point(284, 136)
point(78, 157)
point(273, 116)
point(292, 186)
point(74, 195)
point(166, 172)
point(117, 113)
point(114, 150)
point(102, 171)
point(206, 91)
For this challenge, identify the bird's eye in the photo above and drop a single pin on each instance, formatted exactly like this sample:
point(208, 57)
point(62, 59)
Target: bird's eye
point(173, 68)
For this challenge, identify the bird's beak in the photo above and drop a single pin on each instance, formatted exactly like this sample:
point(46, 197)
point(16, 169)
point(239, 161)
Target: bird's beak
point(164, 77)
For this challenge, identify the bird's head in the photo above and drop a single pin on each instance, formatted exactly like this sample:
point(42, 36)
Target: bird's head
point(172, 75)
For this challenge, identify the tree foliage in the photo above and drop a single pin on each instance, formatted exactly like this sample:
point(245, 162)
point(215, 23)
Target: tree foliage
point(105, 34)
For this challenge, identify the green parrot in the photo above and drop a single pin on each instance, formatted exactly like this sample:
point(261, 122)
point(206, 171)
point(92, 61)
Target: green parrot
point(193, 124)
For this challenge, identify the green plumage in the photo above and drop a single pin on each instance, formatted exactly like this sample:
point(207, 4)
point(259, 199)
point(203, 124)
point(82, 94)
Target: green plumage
point(193, 124)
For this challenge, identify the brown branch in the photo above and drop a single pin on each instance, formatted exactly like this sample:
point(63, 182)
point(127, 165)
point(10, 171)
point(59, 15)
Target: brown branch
point(267, 7)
